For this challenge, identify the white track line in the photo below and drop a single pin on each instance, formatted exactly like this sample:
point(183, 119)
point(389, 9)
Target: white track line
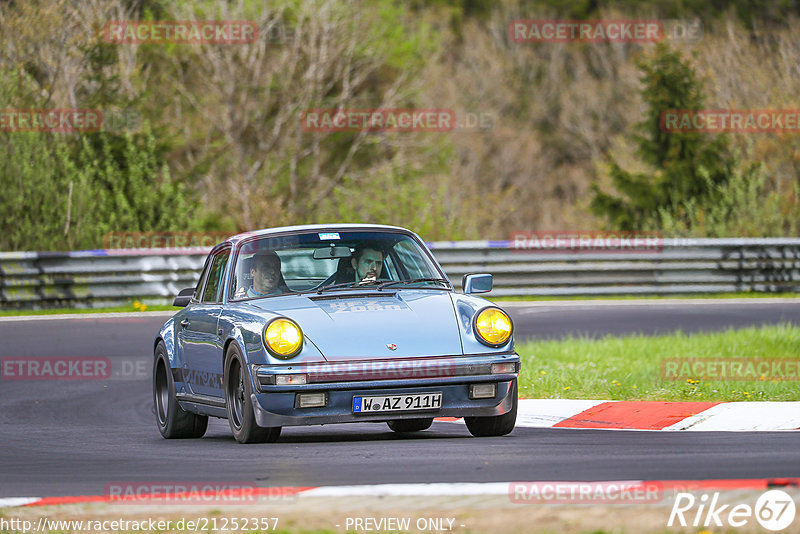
point(743, 416)
point(727, 416)
point(544, 413)
point(17, 501)
point(410, 490)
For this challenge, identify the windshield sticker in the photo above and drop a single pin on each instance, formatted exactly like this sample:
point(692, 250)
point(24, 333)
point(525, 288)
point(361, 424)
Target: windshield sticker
point(329, 235)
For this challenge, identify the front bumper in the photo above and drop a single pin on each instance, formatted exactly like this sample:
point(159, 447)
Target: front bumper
point(276, 405)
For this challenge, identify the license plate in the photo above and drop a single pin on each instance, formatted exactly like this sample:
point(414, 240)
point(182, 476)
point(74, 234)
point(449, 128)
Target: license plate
point(398, 403)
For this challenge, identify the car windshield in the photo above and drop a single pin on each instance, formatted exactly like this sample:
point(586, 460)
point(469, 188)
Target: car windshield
point(328, 261)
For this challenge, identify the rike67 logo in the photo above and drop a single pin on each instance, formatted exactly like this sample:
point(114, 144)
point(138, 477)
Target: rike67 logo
point(774, 510)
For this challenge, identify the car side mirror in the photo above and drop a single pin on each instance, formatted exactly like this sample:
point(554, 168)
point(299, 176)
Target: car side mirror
point(184, 297)
point(476, 283)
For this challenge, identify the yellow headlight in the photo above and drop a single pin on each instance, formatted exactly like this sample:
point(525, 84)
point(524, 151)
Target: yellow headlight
point(493, 327)
point(283, 338)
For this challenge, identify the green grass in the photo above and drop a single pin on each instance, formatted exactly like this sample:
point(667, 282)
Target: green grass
point(57, 311)
point(167, 307)
point(629, 368)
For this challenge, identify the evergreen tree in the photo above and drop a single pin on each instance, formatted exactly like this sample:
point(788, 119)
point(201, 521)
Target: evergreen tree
point(685, 166)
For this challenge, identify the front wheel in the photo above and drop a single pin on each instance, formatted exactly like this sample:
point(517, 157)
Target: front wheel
point(173, 421)
point(241, 417)
point(410, 425)
point(496, 425)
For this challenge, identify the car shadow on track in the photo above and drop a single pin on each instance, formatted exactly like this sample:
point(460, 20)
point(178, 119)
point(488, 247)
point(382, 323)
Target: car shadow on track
point(349, 433)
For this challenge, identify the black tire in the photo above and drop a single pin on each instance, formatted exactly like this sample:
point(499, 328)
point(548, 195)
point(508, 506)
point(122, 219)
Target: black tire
point(238, 389)
point(173, 421)
point(497, 425)
point(410, 425)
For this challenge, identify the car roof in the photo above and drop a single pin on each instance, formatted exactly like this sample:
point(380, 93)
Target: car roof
point(312, 227)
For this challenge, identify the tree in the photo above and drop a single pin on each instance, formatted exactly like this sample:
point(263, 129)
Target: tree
point(685, 166)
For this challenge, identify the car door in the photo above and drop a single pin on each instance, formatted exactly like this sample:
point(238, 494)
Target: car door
point(199, 336)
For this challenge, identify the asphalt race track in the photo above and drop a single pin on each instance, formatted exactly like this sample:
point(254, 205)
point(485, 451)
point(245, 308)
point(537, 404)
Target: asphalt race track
point(596, 319)
point(73, 437)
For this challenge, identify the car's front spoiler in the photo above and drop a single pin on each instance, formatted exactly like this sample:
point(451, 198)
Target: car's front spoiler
point(275, 405)
point(278, 409)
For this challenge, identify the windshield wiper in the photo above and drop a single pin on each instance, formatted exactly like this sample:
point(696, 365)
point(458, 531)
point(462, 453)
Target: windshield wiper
point(351, 285)
point(380, 284)
point(414, 281)
point(335, 286)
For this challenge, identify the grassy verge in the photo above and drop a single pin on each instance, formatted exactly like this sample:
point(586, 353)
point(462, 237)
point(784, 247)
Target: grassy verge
point(167, 307)
point(630, 368)
point(133, 307)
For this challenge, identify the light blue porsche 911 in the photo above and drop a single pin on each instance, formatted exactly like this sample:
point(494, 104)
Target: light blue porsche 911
point(321, 324)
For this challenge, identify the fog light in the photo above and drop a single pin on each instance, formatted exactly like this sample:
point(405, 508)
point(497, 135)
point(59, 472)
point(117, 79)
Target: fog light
point(290, 380)
point(504, 368)
point(311, 400)
point(482, 391)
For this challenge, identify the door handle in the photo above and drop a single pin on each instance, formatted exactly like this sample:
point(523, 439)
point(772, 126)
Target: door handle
point(185, 323)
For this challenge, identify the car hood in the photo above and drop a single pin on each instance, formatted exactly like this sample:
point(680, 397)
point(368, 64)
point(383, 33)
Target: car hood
point(364, 324)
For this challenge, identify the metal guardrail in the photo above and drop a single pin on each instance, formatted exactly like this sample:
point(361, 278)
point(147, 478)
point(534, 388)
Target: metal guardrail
point(99, 278)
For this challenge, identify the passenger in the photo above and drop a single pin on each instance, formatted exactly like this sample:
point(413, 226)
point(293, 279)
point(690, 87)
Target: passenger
point(265, 270)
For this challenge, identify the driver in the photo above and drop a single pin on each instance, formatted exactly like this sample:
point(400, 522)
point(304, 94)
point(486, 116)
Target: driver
point(266, 272)
point(367, 262)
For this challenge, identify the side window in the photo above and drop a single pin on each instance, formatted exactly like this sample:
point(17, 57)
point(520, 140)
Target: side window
point(213, 290)
point(409, 256)
point(202, 281)
point(390, 269)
